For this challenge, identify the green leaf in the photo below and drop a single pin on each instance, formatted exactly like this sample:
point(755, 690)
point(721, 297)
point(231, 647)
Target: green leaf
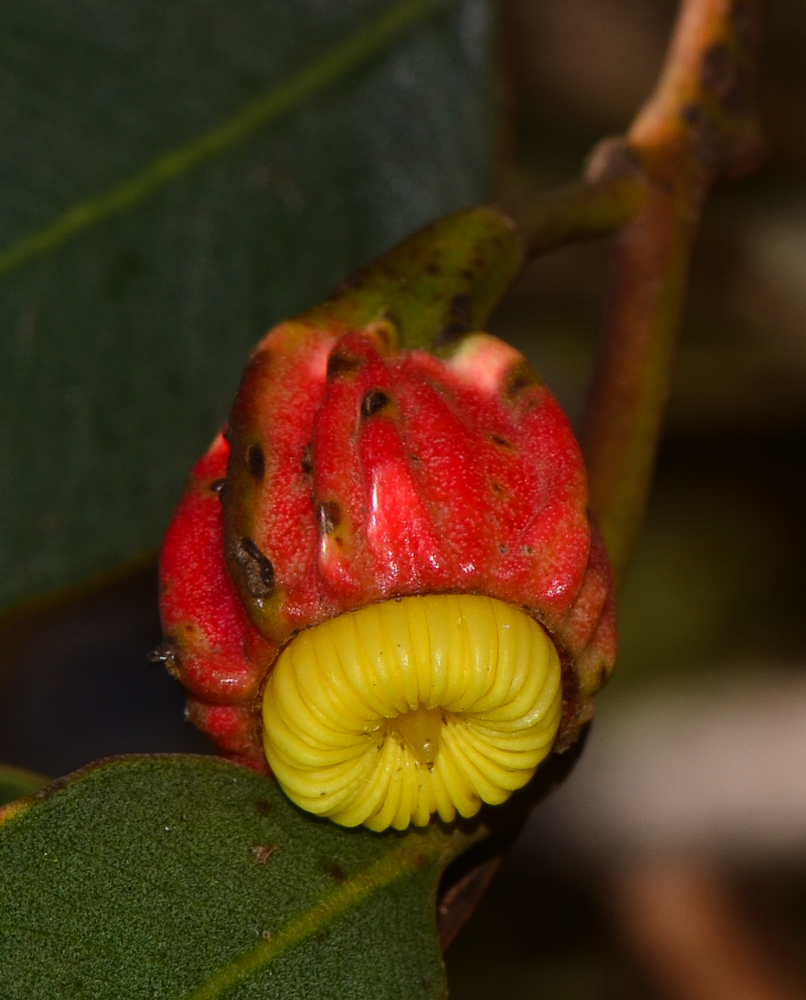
point(169, 877)
point(16, 782)
point(174, 179)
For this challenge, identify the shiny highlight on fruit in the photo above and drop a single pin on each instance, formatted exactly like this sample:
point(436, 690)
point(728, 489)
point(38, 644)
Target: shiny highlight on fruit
point(410, 707)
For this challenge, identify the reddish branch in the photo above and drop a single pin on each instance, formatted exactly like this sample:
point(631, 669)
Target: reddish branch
point(692, 939)
point(700, 124)
point(648, 189)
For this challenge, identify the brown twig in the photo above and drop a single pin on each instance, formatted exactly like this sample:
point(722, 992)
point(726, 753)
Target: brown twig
point(649, 188)
point(690, 936)
point(700, 124)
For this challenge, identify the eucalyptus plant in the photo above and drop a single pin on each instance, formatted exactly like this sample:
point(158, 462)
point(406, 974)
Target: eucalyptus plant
point(155, 228)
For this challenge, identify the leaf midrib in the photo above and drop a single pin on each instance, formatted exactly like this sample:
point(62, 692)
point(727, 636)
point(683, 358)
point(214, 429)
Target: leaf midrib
point(257, 114)
point(416, 853)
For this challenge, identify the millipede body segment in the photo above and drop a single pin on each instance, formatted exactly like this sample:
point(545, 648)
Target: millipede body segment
point(423, 705)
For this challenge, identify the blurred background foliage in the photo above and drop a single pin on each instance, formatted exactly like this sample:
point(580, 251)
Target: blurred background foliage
point(711, 617)
point(697, 752)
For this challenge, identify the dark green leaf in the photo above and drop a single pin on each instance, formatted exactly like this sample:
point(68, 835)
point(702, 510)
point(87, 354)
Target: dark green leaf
point(169, 877)
point(133, 285)
point(16, 782)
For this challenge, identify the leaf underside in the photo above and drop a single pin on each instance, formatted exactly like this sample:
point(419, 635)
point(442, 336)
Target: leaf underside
point(192, 877)
point(121, 350)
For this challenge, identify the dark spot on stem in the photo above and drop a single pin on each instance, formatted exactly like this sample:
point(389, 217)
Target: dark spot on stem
point(704, 139)
point(717, 69)
point(354, 282)
point(458, 319)
point(257, 569)
point(375, 400)
point(449, 333)
point(725, 79)
point(255, 461)
point(691, 115)
point(307, 459)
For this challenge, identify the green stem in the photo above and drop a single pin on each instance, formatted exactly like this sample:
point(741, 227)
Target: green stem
point(444, 281)
point(258, 114)
point(581, 211)
point(628, 394)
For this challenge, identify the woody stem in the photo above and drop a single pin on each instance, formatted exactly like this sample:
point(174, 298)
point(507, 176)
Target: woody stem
point(700, 124)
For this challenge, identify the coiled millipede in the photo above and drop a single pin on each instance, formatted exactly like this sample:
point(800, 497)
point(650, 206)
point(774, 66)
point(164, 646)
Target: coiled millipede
point(414, 706)
point(382, 584)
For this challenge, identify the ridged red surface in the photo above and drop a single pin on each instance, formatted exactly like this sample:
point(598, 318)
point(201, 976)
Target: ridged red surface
point(356, 473)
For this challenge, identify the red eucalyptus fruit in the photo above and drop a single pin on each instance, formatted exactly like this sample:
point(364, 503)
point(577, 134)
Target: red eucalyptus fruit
point(382, 577)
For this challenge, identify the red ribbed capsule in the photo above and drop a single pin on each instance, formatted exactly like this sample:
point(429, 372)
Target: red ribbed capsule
point(352, 473)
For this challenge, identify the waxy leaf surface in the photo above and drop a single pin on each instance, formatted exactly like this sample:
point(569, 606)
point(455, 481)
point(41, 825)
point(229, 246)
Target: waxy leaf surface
point(126, 322)
point(191, 877)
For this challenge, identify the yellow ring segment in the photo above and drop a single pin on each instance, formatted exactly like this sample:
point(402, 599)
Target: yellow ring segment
point(416, 706)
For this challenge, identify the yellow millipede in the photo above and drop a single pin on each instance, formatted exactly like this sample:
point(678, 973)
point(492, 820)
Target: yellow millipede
point(415, 706)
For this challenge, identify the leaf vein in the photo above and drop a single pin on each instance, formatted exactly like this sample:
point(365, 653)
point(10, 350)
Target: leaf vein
point(259, 113)
point(415, 854)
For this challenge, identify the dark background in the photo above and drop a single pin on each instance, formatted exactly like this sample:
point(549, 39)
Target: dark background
point(712, 615)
